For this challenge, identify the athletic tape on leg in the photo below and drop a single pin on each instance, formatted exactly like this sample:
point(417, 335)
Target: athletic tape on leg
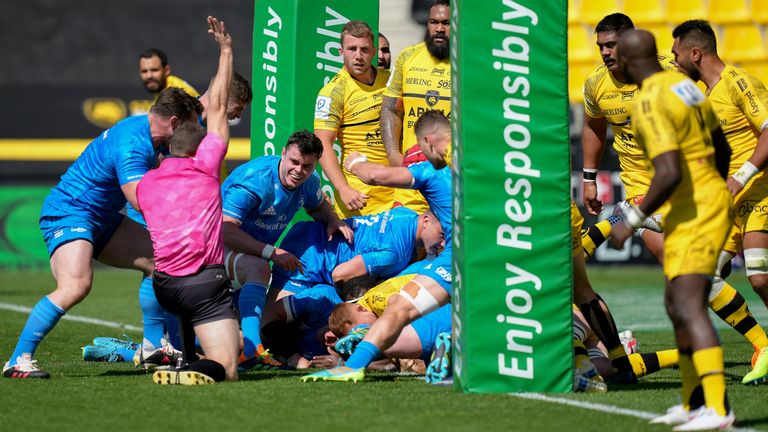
point(424, 302)
point(232, 269)
point(756, 261)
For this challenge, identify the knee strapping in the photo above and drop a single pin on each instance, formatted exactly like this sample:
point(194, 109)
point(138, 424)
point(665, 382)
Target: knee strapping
point(756, 261)
point(231, 268)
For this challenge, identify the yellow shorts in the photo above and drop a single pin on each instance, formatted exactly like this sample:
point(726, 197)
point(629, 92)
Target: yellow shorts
point(380, 199)
point(695, 231)
point(576, 223)
point(751, 207)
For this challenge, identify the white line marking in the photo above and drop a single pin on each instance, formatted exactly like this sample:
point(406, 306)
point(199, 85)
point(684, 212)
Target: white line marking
point(601, 407)
point(82, 319)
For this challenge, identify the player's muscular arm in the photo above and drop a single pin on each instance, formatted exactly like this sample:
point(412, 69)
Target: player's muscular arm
point(378, 175)
point(593, 144)
point(219, 91)
point(351, 197)
point(239, 241)
point(350, 269)
point(392, 114)
point(129, 190)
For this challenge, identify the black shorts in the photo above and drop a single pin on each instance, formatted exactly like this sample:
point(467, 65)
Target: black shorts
point(203, 297)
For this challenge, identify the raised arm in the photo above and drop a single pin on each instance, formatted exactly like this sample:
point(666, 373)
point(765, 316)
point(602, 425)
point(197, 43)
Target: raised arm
point(218, 93)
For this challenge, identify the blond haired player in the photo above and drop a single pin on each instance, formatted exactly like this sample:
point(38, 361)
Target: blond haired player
point(741, 102)
point(348, 109)
point(421, 81)
point(677, 130)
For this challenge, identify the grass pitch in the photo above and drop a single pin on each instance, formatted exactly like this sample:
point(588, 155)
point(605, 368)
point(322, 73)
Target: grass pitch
point(115, 396)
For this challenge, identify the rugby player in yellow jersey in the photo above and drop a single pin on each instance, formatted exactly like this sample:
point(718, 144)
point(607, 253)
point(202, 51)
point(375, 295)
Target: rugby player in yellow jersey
point(348, 109)
point(156, 75)
point(685, 150)
point(607, 100)
point(741, 102)
point(421, 81)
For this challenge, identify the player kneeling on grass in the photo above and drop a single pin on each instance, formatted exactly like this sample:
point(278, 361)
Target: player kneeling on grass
point(181, 202)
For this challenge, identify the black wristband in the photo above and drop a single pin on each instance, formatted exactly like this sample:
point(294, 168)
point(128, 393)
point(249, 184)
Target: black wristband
point(590, 175)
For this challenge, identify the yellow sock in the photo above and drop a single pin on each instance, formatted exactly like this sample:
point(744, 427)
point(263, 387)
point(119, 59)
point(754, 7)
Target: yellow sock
point(592, 237)
point(648, 363)
point(690, 379)
point(732, 308)
point(709, 367)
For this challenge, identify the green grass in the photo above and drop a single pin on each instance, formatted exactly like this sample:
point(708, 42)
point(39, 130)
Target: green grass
point(118, 397)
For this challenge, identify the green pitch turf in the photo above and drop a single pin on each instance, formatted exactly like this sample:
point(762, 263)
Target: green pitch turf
point(110, 396)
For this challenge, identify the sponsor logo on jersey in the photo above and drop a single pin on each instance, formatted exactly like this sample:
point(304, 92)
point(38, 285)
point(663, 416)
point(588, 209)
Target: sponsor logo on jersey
point(418, 81)
point(443, 273)
point(742, 83)
point(417, 69)
point(438, 71)
point(78, 229)
point(432, 97)
point(322, 107)
point(58, 233)
point(270, 211)
point(625, 96)
point(609, 96)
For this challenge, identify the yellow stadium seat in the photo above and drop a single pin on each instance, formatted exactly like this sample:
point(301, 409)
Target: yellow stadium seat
point(581, 47)
point(742, 43)
point(683, 10)
point(574, 12)
point(663, 35)
point(757, 69)
point(577, 71)
point(728, 12)
point(759, 11)
point(645, 12)
point(593, 11)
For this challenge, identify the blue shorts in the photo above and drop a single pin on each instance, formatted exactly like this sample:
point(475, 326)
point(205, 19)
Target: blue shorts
point(440, 270)
point(58, 231)
point(431, 325)
point(306, 240)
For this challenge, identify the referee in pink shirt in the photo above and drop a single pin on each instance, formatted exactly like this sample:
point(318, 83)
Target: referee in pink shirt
point(181, 202)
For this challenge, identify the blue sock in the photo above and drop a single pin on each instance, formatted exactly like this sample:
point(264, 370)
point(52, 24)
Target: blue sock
point(126, 354)
point(364, 354)
point(153, 314)
point(173, 330)
point(251, 304)
point(42, 320)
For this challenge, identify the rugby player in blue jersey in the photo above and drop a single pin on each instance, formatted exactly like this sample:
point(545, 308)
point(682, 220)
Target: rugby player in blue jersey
point(431, 288)
point(259, 199)
point(81, 219)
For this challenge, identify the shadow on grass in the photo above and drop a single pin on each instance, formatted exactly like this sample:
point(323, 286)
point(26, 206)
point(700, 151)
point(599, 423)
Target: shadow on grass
point(121, 373)
point(761, 421)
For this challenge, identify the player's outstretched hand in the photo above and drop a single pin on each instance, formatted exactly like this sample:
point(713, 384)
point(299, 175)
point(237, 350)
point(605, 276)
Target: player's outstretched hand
point(286, 260)
point(219, 32)
point(340, 226)
point(620, 232)
point(733, 185)
point(593, 205)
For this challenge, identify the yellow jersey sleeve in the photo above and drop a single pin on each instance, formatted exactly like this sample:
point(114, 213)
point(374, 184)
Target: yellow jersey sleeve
point(395, 83)
point(590, 92)
point(330, 104)
point(750, 95)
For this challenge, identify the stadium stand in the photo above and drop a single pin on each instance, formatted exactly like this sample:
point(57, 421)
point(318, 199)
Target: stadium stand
point(740, 26)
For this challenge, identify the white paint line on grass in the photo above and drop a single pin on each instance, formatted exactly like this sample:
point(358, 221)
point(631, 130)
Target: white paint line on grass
point(609, 409)
point(82, 319)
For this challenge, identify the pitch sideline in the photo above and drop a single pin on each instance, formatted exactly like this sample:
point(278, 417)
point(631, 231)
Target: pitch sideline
point(608, 409)
point(77, 318)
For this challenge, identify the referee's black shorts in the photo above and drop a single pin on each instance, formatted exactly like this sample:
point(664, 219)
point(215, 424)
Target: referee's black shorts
point(202, 297)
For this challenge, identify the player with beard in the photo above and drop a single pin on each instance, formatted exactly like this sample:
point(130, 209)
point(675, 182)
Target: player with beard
point(421, 81)
point(385, 55)
point(156, 75)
